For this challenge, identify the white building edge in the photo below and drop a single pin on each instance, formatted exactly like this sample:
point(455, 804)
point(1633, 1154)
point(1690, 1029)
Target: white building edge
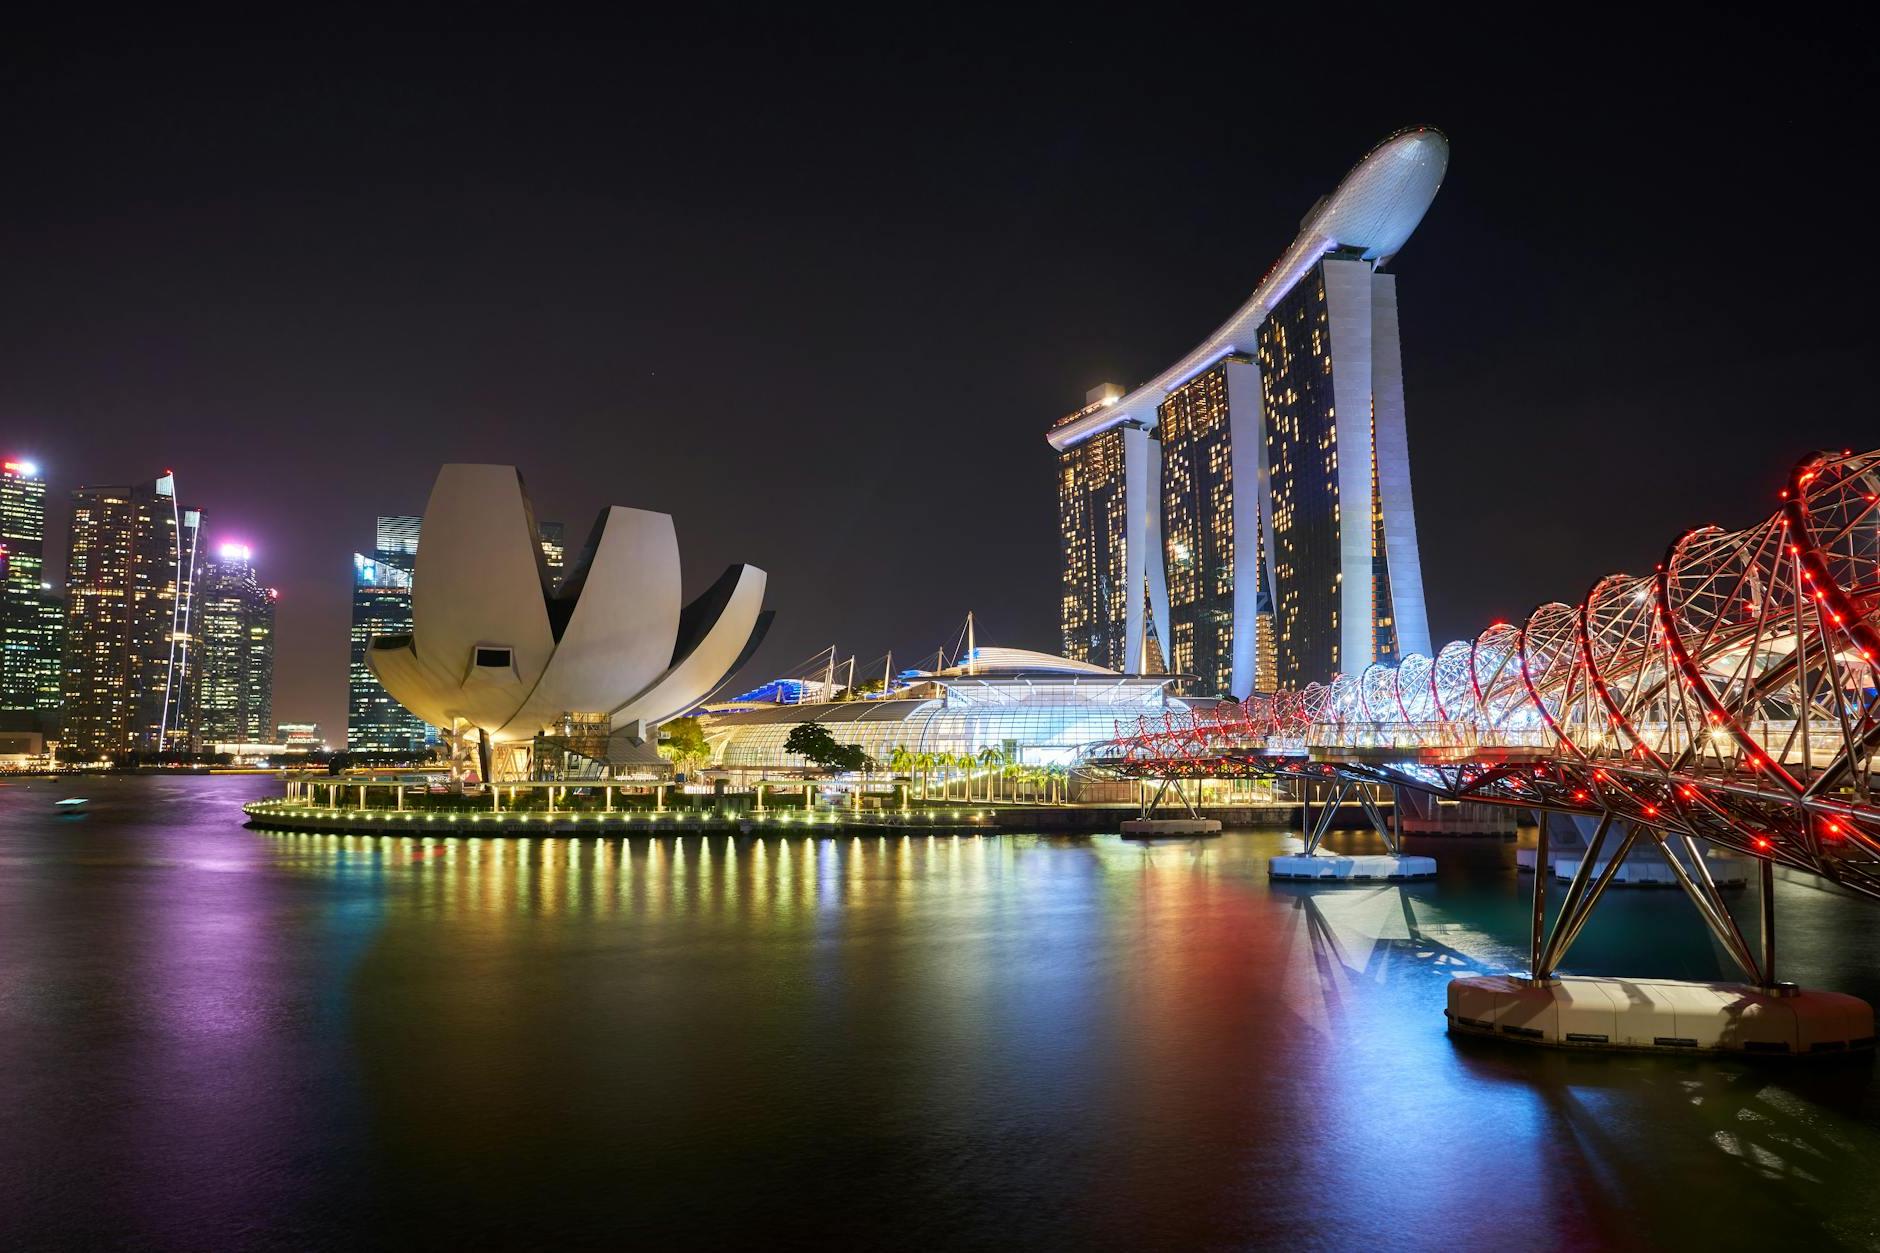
point(497, 647)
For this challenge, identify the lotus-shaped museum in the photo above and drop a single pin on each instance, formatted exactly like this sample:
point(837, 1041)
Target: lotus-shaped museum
point(497, 646)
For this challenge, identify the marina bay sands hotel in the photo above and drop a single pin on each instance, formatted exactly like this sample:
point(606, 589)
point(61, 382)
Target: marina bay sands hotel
point(1245, 516)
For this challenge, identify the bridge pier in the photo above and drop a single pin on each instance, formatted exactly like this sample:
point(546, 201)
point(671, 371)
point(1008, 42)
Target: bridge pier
point(1759, 1015)
point(1311, 864)
point(1148, 826)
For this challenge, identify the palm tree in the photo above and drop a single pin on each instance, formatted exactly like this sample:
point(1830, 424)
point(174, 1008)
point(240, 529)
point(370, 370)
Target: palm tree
point(900, 762)
point(993, 759)
point(1052, 775)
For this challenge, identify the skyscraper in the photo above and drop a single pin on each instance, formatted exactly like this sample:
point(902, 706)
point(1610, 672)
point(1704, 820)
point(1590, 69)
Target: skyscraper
point(128, 626)
point(235, 650)
point(552, 536)
point(1092, 526)
point(381, 605)
point(49, 676)
point(397, 535)
point(1263, 541)
point(27, 648)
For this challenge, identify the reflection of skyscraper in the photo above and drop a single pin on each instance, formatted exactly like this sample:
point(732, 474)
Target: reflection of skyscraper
point(27, 649)
point(235, 651)
point(128, 619)
point(381, 605)
point(1263, 540)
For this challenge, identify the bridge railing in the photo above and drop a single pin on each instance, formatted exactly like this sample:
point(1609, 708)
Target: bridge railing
point(1413, 736)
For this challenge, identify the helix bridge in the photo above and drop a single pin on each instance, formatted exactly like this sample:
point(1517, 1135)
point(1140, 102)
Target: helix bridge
point(1728, 697)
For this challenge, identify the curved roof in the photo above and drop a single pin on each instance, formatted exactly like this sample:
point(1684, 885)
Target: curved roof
point(492, 647)
point(1004, 660)
point(1374, 209)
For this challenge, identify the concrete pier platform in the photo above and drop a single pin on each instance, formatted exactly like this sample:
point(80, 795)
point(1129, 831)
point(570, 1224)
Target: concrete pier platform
point(1660, 1015)
point(1155, 828)
point(1360, 867)
point(1640, 869)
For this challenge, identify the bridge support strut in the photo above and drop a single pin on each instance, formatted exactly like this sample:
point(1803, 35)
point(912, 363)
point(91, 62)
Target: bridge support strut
point(1543, 871)
point(1768, 905)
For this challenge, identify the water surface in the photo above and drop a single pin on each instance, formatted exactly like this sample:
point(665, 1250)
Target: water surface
point(213, 1037)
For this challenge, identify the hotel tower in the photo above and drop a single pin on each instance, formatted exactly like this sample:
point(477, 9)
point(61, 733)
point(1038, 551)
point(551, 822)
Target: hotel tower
point(1245, 517)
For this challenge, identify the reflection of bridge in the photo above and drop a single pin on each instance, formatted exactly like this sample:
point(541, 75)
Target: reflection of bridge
point(1727, 697)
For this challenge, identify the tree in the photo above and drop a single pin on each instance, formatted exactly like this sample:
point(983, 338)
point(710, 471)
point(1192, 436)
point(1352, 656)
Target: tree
point(814, 744)
point(992, 758)
point(682, 742)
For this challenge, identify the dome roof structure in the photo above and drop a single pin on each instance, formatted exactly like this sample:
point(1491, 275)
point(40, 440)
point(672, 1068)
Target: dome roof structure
point(496, 646)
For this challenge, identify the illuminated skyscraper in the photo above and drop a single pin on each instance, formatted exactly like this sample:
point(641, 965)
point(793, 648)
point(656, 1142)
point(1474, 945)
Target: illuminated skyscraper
point(235, 650)
point(128, 625)
point(397, 534)
point(49, 670)
point(381, 605)
point(27, 648)
point(552, 536)
point(1274, 543)
point(1092, 533)
point(1214, 560)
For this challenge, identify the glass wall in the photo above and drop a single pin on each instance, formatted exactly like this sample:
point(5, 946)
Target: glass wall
point(1033, 723)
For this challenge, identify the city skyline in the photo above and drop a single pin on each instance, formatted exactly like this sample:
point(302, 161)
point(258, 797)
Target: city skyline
point(546, 311)
point(1419, 711)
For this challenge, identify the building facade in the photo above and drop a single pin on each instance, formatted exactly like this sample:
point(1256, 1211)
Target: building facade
point(235, 650)
point(30, 631)
point(1093, 535)
point(1032, 709)
point(553, 536)
point(128, 678)
point(1276, 544)
point(381, 606)
point(300, 737)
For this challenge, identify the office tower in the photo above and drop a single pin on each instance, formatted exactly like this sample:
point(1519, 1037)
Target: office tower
point(128, 627)
point(397, 535)
point(24, 643)
point(381, 605)
point(552, 536)
point(1273, 544)
point(235, 650)
point(48, 672)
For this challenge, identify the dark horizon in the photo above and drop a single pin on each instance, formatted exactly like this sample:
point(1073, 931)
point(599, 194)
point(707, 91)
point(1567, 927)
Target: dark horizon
point(820, 300)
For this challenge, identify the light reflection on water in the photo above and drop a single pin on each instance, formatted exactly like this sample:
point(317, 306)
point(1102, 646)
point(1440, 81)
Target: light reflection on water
point(213, 1037)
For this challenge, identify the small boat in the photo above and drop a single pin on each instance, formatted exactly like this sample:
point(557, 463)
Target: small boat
point(71, 804)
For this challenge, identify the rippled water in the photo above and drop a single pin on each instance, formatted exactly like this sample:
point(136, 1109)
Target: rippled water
point(212, 1037)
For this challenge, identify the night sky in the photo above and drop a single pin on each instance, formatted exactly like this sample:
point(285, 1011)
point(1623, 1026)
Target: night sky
point(818, 294)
